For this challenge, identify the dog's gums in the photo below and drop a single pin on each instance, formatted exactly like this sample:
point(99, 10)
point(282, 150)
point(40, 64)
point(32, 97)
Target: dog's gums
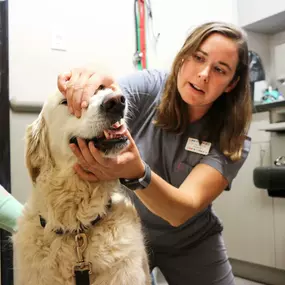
point(110, 138)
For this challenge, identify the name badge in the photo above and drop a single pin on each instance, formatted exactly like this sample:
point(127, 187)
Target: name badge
point(194, 146)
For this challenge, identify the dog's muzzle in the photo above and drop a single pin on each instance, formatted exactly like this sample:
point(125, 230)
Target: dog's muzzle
point(113, 108)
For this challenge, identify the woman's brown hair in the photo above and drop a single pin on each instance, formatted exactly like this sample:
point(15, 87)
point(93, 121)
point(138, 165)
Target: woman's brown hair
point(227, 122)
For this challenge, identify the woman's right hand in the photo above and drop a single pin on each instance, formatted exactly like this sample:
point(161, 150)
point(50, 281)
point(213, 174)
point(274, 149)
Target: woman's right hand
point(79, 85)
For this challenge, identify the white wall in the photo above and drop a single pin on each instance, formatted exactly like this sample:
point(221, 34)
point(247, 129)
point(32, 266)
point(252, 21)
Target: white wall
point(95, 34)
point(174, 20)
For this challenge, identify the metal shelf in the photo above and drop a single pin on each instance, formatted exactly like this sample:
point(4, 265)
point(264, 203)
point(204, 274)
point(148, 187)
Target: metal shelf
point(276, 127)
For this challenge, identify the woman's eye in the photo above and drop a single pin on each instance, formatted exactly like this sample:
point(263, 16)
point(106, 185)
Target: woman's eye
point(101, 87)
point(198, 57)
point(219, 70)
point(63, 102)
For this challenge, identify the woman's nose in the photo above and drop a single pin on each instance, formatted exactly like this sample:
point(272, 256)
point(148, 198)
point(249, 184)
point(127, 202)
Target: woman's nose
point(204, 73)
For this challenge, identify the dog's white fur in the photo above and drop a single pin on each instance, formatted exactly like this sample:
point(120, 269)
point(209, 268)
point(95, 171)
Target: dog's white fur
point(116, 245)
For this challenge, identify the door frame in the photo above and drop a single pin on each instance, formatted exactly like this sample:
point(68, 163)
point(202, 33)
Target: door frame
point(7, 276)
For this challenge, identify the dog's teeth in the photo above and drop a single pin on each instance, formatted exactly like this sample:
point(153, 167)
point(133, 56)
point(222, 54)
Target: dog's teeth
point(107, 135)
point(122, 121)
point(116, 125)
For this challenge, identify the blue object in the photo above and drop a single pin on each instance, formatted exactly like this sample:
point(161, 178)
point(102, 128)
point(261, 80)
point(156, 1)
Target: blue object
point(271, 96)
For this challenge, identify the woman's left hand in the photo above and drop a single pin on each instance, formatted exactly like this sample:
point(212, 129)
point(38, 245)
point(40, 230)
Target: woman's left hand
point(93, 166)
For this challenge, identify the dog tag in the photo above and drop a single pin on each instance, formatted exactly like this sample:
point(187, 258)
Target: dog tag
point(194, 146)
point(81, 273)
point(82, 269)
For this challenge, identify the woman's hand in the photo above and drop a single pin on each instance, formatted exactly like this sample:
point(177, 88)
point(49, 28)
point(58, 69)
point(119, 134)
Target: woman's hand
point(79, 85)
point(93, 166)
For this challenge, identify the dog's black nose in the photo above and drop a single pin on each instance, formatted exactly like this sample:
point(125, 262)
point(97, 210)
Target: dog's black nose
point(114, 104)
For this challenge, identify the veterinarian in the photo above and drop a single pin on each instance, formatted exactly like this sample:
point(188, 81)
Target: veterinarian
point(10, 211)
point(205, 96)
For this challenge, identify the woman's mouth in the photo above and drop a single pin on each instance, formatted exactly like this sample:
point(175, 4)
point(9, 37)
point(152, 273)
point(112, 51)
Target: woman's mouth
point(196, 88)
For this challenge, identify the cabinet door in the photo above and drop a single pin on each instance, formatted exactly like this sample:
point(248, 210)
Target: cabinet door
point(247, 213)
point(258, 121)
point(255, 10)
point(277, 149)
point(279, 219)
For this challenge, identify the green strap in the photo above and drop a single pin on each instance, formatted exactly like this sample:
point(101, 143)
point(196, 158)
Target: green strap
point(139, 65)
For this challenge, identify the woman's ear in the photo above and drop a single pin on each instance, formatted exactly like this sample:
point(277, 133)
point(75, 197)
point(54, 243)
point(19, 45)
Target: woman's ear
point(232, 85)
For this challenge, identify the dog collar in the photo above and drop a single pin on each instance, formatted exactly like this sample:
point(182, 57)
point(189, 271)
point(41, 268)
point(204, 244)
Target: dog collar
point(82, 227)
point(82, 269)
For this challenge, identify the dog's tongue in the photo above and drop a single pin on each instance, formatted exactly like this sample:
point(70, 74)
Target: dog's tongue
point(116, 130)
point(111, 134)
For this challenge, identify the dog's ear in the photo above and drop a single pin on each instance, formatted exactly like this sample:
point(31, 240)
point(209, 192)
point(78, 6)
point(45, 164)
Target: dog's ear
point(37, 147)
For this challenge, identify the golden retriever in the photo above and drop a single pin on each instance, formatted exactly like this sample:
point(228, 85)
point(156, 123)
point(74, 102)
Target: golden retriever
point(75, 232)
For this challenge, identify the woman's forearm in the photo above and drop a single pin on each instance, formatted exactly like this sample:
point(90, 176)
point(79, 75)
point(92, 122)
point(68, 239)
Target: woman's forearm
point(166, 201)
point(199, 189)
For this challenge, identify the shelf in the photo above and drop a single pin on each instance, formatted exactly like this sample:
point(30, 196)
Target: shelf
point(277, 127)
point(270, 25)
point(268, 106)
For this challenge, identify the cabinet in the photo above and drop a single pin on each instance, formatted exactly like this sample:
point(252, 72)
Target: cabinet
point(247, 216)
point(246, 212)
point(254, 227)
point(277, 149)
point(264, 17)
point(279, 224)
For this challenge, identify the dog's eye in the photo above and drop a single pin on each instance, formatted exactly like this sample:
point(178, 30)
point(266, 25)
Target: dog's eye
point(63, 102)
point(101, 87)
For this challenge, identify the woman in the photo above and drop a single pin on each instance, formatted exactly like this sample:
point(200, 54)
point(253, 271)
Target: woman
point(204, 98)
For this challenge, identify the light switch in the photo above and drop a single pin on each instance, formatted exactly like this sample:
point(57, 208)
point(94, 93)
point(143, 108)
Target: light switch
point(58, 41)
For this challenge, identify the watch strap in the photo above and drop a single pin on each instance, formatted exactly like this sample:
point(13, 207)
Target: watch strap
point(141, 183)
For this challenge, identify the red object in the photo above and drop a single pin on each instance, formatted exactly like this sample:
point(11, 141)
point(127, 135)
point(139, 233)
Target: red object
point(142, 32)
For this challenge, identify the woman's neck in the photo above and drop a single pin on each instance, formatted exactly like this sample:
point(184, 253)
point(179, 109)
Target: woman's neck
point(197, 112)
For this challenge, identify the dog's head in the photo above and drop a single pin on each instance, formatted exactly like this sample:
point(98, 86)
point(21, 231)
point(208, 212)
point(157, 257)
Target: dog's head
point(49, 136)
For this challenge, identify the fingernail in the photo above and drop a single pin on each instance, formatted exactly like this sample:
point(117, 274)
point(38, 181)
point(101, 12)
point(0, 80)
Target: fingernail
point(80, 141)
point(70, 110)
point(92, 143)
point(84, 104)
point(77, 114)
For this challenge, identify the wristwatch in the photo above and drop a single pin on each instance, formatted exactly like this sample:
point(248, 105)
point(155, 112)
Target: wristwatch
point(140, 183)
